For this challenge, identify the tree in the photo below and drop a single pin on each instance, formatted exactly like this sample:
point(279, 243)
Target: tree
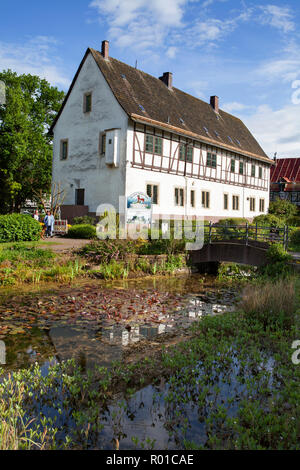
point(25, 146)
point(283, 209)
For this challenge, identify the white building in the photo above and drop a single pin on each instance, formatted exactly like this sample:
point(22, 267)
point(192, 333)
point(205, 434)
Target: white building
point(122, 131)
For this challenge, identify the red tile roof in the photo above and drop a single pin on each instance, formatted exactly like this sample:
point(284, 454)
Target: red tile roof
point(286, 168)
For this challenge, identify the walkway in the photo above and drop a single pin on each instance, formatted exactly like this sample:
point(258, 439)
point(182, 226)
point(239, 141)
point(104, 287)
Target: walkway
point(63, 245)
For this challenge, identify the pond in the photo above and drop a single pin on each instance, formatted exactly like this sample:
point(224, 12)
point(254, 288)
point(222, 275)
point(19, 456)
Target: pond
point(217, 388)
point(96, 322)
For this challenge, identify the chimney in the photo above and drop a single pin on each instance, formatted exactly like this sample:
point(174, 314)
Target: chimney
point(214, 102)
point(105, 49)
point(167, 78)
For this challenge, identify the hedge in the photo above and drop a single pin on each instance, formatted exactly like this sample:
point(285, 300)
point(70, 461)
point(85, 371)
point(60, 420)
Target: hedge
point(19, 228)
point(84, 231)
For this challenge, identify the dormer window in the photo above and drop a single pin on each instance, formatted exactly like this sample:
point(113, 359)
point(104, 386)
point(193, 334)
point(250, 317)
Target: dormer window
point(87, 103)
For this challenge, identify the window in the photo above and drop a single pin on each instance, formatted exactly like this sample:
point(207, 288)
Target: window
point(179, 197)
point(232, 166)
point(153, 144)
point(102, 143)
point(87, 103)
point(152, 191)
point(64, 149)
point(241, 168)
point(253, 168)
point(252, 204)
point(260, 172)
point(235, 203)
point(211, 160)
point(261, 205)
point(189, 153)
point(225, 202)
point(205, 199)
point(79, 197)
point(193, 199)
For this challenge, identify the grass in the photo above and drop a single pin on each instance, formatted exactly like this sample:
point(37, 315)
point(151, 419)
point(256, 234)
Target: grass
point(272, 304)
point(234, 372)
point(27, 263)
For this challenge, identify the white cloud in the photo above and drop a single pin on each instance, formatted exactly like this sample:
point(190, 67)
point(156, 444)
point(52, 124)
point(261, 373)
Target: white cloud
point(167, 12)
point(171, 52)
point(278, 17)
point(37, 57)
point(234, 106)
point(141, 24)
point(276, 130)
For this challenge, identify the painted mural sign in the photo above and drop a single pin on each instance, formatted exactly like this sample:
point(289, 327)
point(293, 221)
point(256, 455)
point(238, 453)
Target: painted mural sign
point(139, 209)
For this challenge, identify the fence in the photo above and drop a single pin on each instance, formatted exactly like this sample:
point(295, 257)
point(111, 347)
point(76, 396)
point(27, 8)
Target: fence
point(214, 233)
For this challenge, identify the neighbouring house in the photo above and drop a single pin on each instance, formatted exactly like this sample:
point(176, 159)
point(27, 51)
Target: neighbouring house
point(285, 180)
point(121, 131)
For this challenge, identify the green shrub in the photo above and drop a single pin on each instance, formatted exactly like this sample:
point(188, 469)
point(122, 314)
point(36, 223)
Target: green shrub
point(295, 237)
point(86, 232)
point(293, 221)
point(162, 246)
point(104, 251)
point(19, 227)
point(283, 209)
point(276, 253)
point(277, 266)
point(229, 229)
point(85, 220)
point(268, 220)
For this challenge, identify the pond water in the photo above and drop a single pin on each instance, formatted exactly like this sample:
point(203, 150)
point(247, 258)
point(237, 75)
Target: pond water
point(95, 322)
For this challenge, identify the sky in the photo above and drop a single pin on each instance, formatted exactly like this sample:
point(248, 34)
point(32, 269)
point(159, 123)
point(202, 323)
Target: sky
point(246, 52)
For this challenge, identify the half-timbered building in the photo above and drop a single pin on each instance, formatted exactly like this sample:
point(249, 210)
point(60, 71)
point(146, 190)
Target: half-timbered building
point(122, 131)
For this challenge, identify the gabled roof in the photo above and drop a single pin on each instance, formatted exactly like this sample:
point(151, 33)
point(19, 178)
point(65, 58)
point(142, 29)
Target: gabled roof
point(287, 169)
point(147, 99)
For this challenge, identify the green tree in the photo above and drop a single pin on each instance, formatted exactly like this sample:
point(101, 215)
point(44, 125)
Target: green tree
point(25, 146)
point(283, 209)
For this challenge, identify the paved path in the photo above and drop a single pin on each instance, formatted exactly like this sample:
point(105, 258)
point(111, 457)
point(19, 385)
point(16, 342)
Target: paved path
point(63, 245)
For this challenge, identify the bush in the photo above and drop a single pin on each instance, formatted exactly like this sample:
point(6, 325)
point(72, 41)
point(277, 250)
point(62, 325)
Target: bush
point(295, 237)
point(229, 229)
point(272, 304)
point(19, 227)
point(277, 266)
point(283, 209)
point(293, 221)
point(268, 220)
point(105, 251)
point(86, 232)
point(85, 220)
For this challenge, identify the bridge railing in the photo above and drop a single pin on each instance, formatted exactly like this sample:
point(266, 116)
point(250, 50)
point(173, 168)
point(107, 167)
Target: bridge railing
point(214, 233)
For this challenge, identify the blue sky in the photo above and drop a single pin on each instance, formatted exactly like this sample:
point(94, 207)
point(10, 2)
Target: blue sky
point(246, 52)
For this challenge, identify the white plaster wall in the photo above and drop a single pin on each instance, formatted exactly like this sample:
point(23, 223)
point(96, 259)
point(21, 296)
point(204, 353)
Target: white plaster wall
point(137, 180)
point(85, 168)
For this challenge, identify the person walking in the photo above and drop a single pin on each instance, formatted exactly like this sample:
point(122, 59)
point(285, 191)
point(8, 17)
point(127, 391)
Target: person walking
point(36, 215)
point(49, 224)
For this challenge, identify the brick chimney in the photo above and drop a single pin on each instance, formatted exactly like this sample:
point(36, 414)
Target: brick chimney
point(214, 102)
point(105, 49)
point(167, 78)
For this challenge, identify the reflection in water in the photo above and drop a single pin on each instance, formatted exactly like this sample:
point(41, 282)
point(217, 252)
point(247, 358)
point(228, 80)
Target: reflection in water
point(96, 340)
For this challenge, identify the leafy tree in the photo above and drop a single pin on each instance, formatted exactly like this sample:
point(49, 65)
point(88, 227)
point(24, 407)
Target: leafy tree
point(283, 209)
point(25, 146)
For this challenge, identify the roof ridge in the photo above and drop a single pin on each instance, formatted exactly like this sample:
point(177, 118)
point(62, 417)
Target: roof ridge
point(175, 88)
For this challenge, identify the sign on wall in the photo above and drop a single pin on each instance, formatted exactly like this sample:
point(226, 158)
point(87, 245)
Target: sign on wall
point(139, 209)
